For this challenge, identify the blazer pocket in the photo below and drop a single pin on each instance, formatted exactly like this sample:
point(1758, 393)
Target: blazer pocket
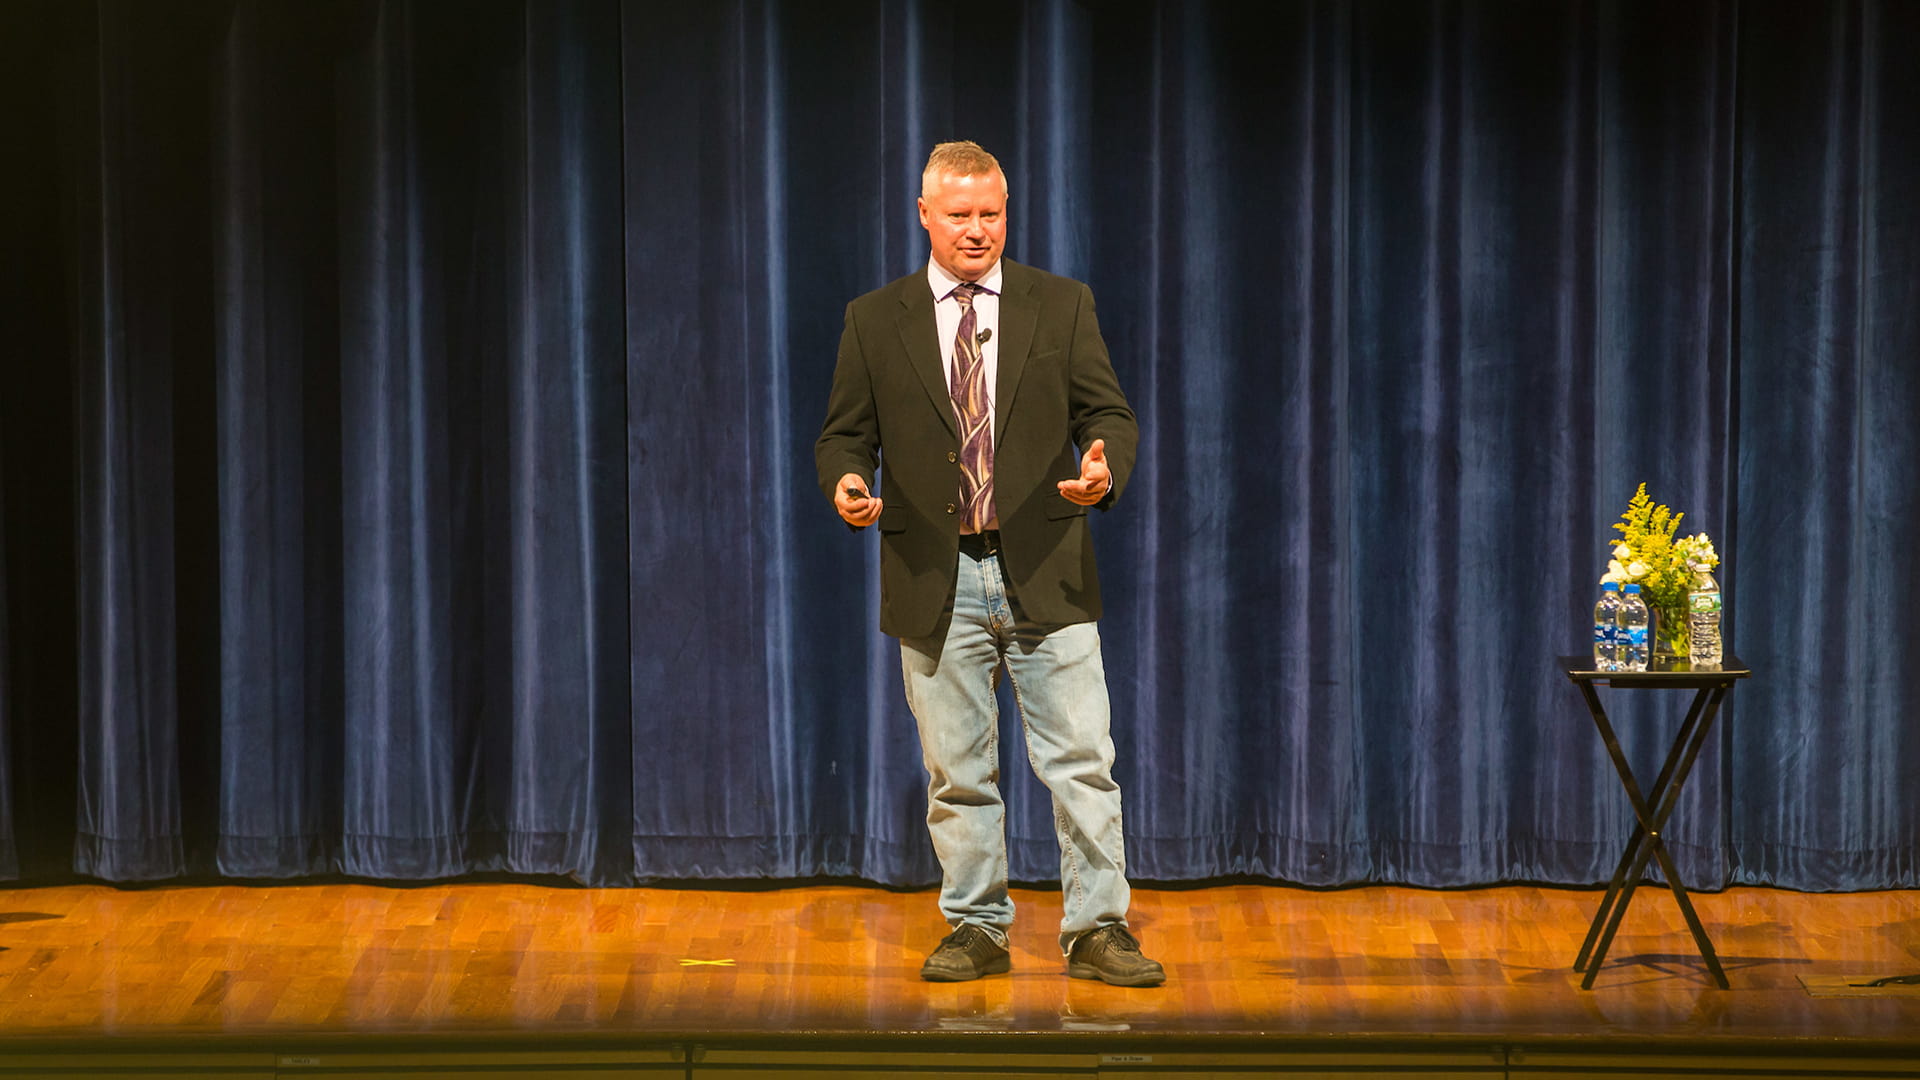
point(1058, 508)
point(893, 519)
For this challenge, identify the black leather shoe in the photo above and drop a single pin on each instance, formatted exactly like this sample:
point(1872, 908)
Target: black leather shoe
point(967, 953)
point(1111, 955)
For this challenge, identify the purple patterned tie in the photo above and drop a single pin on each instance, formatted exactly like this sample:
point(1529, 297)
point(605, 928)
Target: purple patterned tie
point(968, 385)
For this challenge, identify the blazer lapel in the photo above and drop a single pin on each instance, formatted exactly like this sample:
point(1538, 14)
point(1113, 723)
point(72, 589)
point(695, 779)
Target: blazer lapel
point(919, 335)
point(1019, 312)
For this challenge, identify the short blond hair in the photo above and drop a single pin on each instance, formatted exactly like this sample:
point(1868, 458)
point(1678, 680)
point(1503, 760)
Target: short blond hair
point(961, 158)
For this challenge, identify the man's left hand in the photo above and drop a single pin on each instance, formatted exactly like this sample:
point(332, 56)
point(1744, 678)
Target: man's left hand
point(1095, 477)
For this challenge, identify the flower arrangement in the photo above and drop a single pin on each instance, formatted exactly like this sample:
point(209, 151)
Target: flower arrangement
point(1647, 555)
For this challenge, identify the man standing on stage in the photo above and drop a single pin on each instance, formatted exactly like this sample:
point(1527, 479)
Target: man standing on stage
point(975, 379)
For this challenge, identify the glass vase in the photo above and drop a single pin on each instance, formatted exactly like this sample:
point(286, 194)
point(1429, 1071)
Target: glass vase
point(1670, 640)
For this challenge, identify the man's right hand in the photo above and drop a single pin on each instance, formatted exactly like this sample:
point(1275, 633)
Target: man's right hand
point(859, 509)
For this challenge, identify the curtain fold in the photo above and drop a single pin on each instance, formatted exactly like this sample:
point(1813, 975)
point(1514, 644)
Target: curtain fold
point(405, 428)
point(483, 645)
point(1828, 329)
point(277, 357)
point(570, 788)
point(695, 603)
point(138, 319)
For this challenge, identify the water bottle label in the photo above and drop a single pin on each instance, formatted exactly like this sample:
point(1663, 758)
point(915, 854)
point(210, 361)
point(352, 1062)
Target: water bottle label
point(1636, 636)
point(1704, 603)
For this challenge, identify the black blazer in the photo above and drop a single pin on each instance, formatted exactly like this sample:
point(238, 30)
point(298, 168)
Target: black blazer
point(1055, 391)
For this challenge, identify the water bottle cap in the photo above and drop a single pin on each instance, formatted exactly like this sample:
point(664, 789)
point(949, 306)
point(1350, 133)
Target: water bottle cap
point(1609, 586)
point(1633, 588)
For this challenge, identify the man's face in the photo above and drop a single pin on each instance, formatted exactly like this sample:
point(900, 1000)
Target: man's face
point(966, 221)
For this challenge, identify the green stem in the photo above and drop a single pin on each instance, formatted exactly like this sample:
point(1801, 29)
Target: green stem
point(1671, 624)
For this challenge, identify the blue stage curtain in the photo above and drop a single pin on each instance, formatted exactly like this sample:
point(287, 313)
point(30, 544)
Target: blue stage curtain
point(422, 525)
point(1827, 456)
point(408, 472)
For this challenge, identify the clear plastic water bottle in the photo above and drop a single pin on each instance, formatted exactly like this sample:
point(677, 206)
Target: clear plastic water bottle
point(1703, 621)
point(1632, 642)
point(1606, 629)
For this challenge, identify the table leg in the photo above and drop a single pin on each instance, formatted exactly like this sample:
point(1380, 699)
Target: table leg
point(1668, 800)
point(1647, 840)
point(1639, 833)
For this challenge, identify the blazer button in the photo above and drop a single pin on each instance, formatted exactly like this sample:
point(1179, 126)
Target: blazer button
point(952, 509)
point(951, 456)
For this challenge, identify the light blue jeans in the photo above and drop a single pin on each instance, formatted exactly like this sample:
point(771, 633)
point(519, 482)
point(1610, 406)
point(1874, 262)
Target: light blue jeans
point(1061, 687)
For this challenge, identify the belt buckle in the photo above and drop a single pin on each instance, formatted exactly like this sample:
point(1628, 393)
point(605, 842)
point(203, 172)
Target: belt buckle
point(985, 543)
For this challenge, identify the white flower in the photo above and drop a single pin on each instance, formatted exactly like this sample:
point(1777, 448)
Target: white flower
point(1637, 569)
point(1622, 551)
point(1696, 553)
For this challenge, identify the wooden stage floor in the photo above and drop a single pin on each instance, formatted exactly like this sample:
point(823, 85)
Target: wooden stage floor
point(1246, 963)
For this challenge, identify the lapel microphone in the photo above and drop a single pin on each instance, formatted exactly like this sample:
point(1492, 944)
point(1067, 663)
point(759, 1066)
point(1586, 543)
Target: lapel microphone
point(983, 336)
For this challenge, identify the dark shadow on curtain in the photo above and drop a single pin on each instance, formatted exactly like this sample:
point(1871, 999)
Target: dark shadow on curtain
point(41, 42)
point(9, 850)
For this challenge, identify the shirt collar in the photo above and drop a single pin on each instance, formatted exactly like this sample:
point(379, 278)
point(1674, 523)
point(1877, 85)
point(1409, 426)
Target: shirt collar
point(942, 282)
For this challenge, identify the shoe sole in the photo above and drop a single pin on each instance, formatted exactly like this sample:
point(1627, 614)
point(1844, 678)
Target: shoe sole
point(1088, 971)
point(999, 966)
